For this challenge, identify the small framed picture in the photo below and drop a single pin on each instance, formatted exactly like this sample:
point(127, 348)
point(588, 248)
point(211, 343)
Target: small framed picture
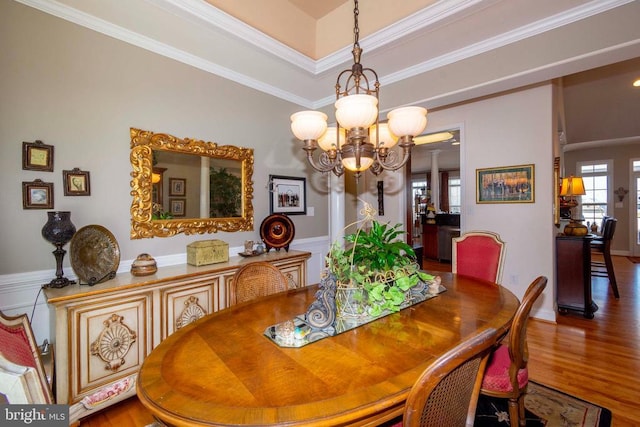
point(76, 183)
point(288, 195)
point(177, 186)
point(37, 156)
point(37, 195)
point(177, 207)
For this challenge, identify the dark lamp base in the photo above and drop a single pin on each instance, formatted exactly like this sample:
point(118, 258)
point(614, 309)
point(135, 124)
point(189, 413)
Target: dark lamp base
point(60, 282)
point(576, 229)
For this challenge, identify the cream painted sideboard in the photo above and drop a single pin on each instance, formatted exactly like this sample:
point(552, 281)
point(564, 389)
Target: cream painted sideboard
point(104, 332)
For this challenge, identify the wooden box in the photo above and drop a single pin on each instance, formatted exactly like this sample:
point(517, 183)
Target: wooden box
point(206, 252)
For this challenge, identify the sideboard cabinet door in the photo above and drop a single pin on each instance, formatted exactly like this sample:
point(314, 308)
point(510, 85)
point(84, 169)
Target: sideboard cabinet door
point(113, 337)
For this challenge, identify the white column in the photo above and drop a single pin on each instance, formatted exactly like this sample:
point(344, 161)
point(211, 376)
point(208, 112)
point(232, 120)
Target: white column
point(435, 180)
point(205, 191)
point(336, 208)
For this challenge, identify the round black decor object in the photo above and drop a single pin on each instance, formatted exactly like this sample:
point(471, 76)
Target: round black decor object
point(277, 232)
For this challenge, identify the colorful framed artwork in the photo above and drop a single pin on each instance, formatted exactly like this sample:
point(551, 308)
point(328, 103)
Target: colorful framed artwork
point(177, 207)
point(177, 187)
point(37, 195)
point(76, 183)
point(37, 156)
point(288, 195)
point(509, 184)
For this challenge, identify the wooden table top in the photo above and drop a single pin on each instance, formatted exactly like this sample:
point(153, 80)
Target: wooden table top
point(223, 371)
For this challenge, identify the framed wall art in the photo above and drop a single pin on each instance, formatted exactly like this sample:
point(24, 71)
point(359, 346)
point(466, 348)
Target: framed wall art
point(37, 156)
point(76, 183)
point(288, 195)
point(177, 186)
point(509, 184)
point(177, 207)
point(37, 195)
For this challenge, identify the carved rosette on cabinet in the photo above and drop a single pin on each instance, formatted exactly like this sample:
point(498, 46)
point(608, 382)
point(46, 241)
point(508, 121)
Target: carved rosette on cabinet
point(192, 311)
point(114, 342)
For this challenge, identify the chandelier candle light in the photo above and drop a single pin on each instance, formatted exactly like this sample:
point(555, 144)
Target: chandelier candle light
point(359, 142)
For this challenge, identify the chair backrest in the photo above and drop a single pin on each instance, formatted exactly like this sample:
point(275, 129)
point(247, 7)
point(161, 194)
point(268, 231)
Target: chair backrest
point(256, 279)
point(21, 356)
point(478, 254)
point(518, 353)
point(609, 229)
point(446, 393)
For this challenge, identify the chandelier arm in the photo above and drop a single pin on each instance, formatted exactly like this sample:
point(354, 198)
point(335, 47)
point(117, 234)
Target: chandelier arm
point(406, 143)
point(324, 164)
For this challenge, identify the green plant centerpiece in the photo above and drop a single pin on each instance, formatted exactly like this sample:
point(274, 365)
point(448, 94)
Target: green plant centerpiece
point(378, 270)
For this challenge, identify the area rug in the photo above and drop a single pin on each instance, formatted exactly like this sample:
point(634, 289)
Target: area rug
point(544, 407)
point(634, 259)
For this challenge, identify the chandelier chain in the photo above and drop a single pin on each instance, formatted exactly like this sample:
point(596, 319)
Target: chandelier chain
point(356, 29)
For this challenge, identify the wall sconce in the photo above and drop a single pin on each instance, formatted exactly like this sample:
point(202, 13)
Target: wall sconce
point(621, 192)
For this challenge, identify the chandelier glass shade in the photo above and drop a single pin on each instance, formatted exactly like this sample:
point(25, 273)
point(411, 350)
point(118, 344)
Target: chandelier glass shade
point(359, 142)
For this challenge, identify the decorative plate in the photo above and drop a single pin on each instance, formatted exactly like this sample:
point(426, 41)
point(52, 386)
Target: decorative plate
point(277, 231)
point(95, 254)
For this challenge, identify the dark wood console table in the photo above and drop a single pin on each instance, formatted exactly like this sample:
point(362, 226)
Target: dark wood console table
point(573, 275)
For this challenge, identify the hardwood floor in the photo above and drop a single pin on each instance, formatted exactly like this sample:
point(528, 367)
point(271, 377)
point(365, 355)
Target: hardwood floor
point(596, 360)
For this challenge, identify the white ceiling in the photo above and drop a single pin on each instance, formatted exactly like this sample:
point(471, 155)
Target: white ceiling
point(447, 52)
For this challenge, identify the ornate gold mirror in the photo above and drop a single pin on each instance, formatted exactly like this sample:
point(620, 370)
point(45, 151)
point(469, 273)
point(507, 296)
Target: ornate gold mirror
point(188, 186)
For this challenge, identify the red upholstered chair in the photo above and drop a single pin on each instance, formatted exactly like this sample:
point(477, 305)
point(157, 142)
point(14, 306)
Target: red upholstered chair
point(506, 375)
point(478, 254)
point(21, 368)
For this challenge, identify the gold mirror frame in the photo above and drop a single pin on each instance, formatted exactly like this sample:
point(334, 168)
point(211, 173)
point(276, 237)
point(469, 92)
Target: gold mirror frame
point(142, 226)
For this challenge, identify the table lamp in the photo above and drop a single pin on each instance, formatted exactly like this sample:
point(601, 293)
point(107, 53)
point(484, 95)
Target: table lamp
point(59, 230)
point(572, 187)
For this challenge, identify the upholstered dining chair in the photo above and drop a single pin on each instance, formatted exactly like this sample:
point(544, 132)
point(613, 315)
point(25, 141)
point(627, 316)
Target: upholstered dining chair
point(479, 254)
point(602, 245)
point(507, 375)
point(22, 372)
point(256, 279)
point(446, 393)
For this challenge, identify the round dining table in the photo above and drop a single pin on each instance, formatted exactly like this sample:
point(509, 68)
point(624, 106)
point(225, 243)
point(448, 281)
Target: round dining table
point(222, 370)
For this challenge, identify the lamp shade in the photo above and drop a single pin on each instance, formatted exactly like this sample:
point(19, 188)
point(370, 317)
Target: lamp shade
point(350, 163)
point(308, 125)
point(328, 140)
point(407, 121)
point(385, 138)
point(572, 186)
point(356, 111)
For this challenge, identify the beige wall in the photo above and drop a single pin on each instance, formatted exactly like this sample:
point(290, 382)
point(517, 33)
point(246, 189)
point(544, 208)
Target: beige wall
point(511, 129)
point(81, 91)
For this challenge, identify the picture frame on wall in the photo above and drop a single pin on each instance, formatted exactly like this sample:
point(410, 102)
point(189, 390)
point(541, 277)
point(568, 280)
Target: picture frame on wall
point(37, 156)
point(177, 207)
point(37, 195)
point(76, 182)
point(177, 186)
point(508, 184)
point(288, 195)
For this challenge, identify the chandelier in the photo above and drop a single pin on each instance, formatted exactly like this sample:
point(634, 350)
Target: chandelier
point(359, 142)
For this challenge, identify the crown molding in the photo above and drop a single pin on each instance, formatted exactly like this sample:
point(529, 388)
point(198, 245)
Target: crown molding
point(600, 143)
point(387, 38)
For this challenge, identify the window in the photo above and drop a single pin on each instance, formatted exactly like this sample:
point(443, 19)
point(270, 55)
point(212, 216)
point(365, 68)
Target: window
point(595, 203)
point(455, 195)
